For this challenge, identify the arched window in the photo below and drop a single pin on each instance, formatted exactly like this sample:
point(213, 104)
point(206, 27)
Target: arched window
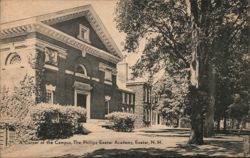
point(81, 70)
point(12, 59)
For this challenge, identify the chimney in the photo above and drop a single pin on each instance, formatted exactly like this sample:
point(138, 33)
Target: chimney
point(122, 75)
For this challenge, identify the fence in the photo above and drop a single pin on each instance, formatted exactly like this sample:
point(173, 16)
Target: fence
point(7, 137)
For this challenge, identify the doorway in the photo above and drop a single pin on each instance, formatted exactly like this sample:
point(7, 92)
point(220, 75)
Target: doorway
point(81, 100)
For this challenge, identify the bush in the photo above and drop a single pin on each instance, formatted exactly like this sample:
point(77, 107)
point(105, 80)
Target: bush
point(123, 122)
point(185, 123)
point(48, 121)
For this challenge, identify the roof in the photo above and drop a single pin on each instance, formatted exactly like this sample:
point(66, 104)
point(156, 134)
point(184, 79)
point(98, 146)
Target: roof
point(137, 81)
point(19, 27)
point(123, 87)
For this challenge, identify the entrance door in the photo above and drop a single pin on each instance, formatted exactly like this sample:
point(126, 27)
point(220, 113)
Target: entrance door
point(82, 100)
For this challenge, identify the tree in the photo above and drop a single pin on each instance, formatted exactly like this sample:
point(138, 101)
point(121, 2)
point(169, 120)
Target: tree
point(239, 110)
point(172, 91)
point(14, 106)
point(182, 34)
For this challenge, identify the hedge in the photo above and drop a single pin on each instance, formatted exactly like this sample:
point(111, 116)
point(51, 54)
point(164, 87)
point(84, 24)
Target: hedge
point(123, 122)
point(49, 121)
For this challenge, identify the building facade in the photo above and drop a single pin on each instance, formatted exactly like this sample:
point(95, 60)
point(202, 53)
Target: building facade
point(71, 57)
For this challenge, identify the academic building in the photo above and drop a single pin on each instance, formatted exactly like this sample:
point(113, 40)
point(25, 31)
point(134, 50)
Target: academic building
point(73, 61)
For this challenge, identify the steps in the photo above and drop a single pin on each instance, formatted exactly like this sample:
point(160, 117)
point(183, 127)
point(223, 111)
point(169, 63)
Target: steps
point(95, 125)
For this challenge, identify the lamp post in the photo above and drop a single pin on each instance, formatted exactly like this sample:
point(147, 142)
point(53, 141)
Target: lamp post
point(107, 99)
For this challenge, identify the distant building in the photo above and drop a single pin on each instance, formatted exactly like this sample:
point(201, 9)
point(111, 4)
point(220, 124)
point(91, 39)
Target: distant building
point(143, 101)
point(72, 58)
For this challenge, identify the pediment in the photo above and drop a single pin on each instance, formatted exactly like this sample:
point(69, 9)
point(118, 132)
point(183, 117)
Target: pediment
point(88, 13)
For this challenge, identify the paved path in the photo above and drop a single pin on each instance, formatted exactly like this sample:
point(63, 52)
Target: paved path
point(146, 142)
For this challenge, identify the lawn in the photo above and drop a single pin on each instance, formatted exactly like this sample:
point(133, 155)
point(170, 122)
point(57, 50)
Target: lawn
point(162, 142)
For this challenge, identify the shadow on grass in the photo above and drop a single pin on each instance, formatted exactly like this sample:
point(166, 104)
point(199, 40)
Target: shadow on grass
point(131, 153)
point(174, 130)
point(211, 148)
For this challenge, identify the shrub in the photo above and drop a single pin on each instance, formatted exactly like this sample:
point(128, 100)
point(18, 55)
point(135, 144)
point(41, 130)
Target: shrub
point(48, 121)
point(185, 123)
point(123, 122)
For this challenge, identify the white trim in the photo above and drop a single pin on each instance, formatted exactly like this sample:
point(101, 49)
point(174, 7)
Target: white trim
point(83, 88)
point(43, 44)
point(88, 98)
point(84, 69)
point(108, 82)
point(86, 36)
point(82, 75)
point(104, 67)
point(59, 36)
point(12, 46)
point(93, 18)
point(69, 72)
point(47, 66)
point(96, 79)
point(50, 87)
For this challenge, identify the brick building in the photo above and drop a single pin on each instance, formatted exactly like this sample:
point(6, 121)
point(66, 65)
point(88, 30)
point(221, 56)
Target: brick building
point(72, 58)
point(144, 99)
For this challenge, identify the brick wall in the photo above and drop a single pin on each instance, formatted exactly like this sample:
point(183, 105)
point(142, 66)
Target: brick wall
point(138, 89)
point(64, 93)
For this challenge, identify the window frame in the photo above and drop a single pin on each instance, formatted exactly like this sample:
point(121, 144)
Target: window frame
point(50, 89)
point(10, 57)
point(123, 98)
point(108, 76)
point(86, 31)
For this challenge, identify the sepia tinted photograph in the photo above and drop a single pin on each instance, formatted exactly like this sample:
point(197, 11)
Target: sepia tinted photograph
point(124, 78)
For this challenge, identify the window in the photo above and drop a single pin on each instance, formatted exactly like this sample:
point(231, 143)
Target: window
point(132, 99)
point(83, 33)
point(16, 59)
point(145, 94)
point(81, 69)
point(50, 93)
point(13, 58)
point(123, 98)
point(128, 98)
point(49, 96)
point(108, 75)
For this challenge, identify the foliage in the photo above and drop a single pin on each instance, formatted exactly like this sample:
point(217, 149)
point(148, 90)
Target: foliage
point(184, 123)
point(239, 110)
point(49, 121)
point(208, 33)
point(123, 122)
point(14, 105)
point(172, 91)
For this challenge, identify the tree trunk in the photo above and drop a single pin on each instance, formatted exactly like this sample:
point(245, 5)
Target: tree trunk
point(225, 123)
point(218, 125)
point(196, 135)
point(209, 119)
